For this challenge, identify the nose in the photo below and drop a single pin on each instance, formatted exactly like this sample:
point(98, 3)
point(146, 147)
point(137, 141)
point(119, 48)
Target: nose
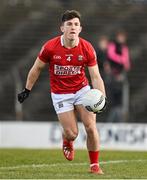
point(73, 26)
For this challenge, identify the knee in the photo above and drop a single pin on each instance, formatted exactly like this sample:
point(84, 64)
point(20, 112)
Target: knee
point(90, 129)
point(71, 135)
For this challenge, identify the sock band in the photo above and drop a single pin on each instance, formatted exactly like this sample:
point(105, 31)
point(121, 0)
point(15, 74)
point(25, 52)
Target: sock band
point(94, 157)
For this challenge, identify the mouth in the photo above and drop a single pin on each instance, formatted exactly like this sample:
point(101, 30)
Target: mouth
point(72, 33)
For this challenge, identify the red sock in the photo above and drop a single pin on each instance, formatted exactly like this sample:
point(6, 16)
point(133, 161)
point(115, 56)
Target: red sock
point(94, 157)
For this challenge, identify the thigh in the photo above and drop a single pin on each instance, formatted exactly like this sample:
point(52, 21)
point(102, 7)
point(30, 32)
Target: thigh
point(88, 118)
point(68, 121)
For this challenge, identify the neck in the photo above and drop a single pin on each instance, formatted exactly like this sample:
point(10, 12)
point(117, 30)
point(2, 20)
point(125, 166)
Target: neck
point(70, 43)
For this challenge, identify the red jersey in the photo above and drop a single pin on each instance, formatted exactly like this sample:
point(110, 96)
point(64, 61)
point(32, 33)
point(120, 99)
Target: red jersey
point(66, 66)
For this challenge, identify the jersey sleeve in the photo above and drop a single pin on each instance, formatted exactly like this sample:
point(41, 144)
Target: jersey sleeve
point(91, 56)
point(44, 54)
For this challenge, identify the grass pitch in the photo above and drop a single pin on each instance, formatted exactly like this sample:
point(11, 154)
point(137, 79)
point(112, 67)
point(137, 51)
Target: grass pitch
point(50, 164)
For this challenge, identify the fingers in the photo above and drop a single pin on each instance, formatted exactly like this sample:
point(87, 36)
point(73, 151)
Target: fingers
point(23, 95)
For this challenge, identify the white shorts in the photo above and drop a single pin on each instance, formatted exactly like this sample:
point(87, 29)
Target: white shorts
point(65, 102)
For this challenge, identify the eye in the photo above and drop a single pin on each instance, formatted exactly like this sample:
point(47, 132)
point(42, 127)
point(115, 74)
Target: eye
point(77, 24)
point(69, 24)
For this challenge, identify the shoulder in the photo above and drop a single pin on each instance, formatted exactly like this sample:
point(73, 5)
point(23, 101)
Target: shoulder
point(89, 52)
point(52, 43)
point(86, 45)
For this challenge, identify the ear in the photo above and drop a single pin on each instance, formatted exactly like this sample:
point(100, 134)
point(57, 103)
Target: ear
point(62, 28)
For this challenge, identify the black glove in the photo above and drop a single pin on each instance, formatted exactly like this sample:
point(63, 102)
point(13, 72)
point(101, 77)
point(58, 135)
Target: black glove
point(23, 95)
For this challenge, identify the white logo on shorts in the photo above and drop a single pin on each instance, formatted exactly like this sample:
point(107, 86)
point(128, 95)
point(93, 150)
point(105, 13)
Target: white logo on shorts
point(60, 104)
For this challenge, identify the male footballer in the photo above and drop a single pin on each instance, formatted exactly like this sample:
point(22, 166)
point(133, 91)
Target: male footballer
point(67, 56)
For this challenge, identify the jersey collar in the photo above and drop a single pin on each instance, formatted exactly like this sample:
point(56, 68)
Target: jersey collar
point(62, 41)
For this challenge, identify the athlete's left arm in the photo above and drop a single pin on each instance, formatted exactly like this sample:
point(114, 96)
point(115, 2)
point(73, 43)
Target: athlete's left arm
point(96, 79)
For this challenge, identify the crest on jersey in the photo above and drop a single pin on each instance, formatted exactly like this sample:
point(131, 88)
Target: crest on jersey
point(80, 58)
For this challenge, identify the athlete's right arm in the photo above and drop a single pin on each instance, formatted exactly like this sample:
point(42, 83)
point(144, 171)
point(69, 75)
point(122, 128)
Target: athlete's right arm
point(34, 73)
point(31, 79)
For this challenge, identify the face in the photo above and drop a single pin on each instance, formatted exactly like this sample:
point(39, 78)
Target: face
point(103, 43)
point(71, 29)
point(121, 38)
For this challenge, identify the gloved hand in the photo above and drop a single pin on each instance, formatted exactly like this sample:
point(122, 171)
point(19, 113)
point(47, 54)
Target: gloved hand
point(23, 95)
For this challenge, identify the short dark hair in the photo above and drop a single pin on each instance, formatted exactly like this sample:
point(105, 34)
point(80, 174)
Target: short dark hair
point(70, 14)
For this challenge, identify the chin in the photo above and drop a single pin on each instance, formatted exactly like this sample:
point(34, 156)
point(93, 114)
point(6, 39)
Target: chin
point(72, 38)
